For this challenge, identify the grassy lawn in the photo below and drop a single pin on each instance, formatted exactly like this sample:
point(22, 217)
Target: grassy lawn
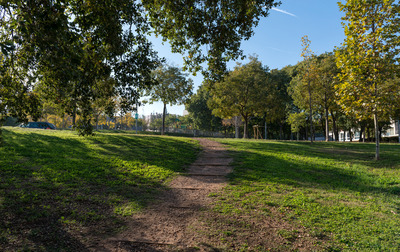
point(58, 191)
point(335, 191)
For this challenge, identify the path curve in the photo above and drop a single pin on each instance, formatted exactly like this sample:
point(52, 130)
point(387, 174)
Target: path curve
point(166, 224)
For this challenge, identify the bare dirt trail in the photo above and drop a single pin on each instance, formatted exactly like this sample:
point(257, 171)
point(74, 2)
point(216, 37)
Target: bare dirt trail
point(166, 224)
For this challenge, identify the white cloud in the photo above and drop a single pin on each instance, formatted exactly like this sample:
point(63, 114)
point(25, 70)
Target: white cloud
point(284, 12)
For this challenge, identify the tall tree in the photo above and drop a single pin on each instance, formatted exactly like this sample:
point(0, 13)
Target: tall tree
point(369, 56)
point(302, 89)
point(173, 87)
point(278, 96)
point(67, 47)
point(325, 92)
point(309, 77)
point(198, 109)
point(297, 121)
point(242, 92)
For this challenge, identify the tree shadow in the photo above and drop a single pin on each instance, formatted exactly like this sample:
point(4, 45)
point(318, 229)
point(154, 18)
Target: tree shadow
point(57, 191)
point(321, 165)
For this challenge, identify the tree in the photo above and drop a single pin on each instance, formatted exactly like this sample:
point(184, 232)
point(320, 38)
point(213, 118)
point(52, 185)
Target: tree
point(325, 97)
point(172, 88)
point(278, 83)
point(198, 109)
point(296, 121)
point(242, 92)
point(309, 77)
point(67, 47)
point(217, 27)
point(369, 56)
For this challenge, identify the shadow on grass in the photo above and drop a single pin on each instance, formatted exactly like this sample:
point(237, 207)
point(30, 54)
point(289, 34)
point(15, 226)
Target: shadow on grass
point(321, 165)
point(58, 190)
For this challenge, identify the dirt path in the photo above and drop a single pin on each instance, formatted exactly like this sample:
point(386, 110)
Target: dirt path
point(166, 224)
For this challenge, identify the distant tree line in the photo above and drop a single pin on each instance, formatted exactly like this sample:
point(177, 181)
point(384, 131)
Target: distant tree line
point(280, 99)
point(354, 87)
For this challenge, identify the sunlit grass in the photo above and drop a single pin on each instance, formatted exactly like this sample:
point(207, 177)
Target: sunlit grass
point(58, 189)
point(336, 191)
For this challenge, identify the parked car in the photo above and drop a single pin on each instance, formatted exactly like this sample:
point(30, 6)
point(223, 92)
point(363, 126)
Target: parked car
point(38, 125)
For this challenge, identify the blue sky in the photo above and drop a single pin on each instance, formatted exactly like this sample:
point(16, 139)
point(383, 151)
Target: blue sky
point(277, 39)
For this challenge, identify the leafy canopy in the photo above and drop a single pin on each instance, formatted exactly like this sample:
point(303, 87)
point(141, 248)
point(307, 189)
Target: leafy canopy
point(207, 30)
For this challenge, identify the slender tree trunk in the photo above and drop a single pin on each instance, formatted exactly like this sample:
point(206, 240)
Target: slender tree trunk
point(311, 120)
point(163, 119)
point(280, 130)
point(334, 128)
point(326, 122)
point(398, 128)
point(376, 125)
point(74, 117)
point(265, 130)
point(306, 131)
point(245, 127)
point(237, 133)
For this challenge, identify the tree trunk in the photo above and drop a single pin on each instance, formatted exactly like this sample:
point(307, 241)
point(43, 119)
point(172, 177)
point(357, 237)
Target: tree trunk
point(326, 123)
point(266, 132)
point(362, 133)
point(306, 131)
point(237, 133)
point(311, 120)
point(376, 125)
point(245, 127)
point(163, 119)
point(334, 128)
point(74, 117)
point(280, 130)
point(398, 128)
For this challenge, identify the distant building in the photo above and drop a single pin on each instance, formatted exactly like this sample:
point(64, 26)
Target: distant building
point(393, 131)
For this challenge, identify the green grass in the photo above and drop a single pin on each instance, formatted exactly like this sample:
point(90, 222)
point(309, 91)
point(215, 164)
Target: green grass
point(335, 191)
point(58, 190)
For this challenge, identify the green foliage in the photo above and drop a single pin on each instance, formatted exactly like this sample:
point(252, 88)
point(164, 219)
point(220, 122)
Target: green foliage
point(368, 58)
point(296, 121)
point(198, 109)
point(278, 97)
point(58, 190)
point(242, 92)
point(172, 88)
point(192, 26)
point(66, 49)
point(344, 198)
